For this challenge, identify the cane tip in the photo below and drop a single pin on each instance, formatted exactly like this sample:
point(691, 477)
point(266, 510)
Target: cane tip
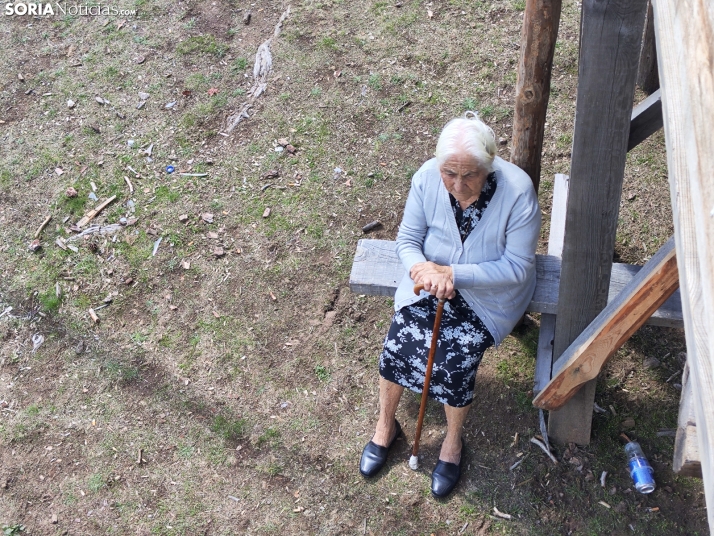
point(414, 463)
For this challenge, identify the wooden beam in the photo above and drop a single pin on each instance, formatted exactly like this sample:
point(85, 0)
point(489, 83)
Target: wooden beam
point(684, 30)
point(546, 333)
point(646, 119)
point(538, 35)
point(376, 271)
point(647, 73)
point(610, 38)
point(686, 445)
point(585, 357)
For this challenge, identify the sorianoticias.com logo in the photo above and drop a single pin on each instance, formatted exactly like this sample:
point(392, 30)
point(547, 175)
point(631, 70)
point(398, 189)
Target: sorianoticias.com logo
point(49, 9)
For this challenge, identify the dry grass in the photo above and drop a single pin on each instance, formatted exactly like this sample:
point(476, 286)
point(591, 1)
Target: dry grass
point(248, 381)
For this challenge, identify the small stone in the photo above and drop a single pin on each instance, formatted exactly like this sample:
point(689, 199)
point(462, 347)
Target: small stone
point(289, 148)
point(170, 105)
point(143, 96)
point(123, 221)
point(218, 251)
point(207, 217)
point(266, 212)
point(53, 520)
point(34, 245)
point(100, 100)
point(628, 423)
point(128, 281)
point(183, 217)
point(71, 104)
point(246, 18)
point(70, 192)
point(79, 349)
point(651, 362)
point(502, 141)
point(283, 142)
point(140, 105)
point(631, 196)
point(212, 235)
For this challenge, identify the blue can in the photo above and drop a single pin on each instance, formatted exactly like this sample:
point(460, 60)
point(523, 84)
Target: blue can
point(640, 469)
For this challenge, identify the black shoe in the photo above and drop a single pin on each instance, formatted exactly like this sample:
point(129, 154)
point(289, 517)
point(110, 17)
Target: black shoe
point(375, 456)
point(445, 476)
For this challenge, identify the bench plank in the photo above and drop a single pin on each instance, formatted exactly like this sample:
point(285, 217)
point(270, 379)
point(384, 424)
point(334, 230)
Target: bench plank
point(376, 271)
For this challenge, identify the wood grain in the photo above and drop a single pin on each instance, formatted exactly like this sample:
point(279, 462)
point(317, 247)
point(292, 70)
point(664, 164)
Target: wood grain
point(538, 35)
point(610, 38)
point(585, 357)
point(685, 44)
point(646, 120)
point(686, 444)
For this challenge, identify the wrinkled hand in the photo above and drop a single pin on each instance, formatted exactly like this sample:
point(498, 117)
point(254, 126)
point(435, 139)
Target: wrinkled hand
point(437, 280)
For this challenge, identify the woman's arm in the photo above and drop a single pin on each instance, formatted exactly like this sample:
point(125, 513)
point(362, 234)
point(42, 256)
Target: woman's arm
point(412, 230)
point(518, 259)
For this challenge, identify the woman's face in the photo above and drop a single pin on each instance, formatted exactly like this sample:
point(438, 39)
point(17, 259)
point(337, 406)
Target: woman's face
point(463, 177)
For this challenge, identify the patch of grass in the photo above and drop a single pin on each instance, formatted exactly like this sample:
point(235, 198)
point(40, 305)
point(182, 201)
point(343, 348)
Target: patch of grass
point(228, 428)
point(202, 44)
point(239, 65)
point(12, 530)
point(322, 373)
point(375, 82)
point(270, 436)
point(519, 5)
point(164, 193)
point(33, 410)
point(96, 482)
point(120, 371)
point(50, 301)
point(469, 103)
point(328, 43)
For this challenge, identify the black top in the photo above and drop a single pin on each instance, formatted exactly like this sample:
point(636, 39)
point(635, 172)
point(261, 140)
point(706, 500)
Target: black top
point(466, 219)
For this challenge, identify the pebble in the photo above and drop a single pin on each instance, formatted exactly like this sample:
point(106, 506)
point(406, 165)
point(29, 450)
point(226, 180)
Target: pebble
point(71, 104)
point(651, 362)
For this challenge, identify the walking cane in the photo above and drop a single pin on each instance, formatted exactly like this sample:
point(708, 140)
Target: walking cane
point(414, 460)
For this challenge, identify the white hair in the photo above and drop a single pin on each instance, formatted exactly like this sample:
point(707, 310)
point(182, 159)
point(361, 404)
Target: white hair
point(470, 135)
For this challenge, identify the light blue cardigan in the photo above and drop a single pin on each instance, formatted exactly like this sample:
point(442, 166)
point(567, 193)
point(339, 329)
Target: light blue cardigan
point(494, 269)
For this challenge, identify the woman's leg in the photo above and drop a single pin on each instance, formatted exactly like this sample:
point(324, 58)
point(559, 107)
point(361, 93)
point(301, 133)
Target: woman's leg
point(389, 395)
point(451, 447)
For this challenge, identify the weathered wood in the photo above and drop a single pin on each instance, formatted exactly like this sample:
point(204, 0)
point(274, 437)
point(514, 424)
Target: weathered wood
point(585, 357)
point(646, 120)
point(610, 37)
point(538, 35)
point(544, 353)
point(684, 30)
point(377, 271)
point(686, 445)
point(647, 73)
point(546, 333)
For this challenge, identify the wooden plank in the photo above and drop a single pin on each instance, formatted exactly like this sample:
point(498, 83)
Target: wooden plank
point(684, 30)
point(544, 353)
point(610, 38)
point(538, 35)
point(585, 357)
point(686, 445)
point(546, 333)
point(376, 271)
point(646, 119)
point(647, 73)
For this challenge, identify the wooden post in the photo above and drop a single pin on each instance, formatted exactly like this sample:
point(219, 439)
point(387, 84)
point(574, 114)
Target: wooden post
point(684, 30)
point(648, 75)
point(611, 33)
point(538, 35)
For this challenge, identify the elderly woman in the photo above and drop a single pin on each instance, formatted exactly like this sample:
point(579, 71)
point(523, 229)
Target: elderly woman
point(469, 233)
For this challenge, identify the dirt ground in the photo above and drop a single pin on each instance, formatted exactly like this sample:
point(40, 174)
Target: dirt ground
point(231, 380)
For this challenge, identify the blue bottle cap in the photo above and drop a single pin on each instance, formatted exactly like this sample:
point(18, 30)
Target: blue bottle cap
point(169, 169)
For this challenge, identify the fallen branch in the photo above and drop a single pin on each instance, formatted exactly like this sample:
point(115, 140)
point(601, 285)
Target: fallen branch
point(500, 514)
point(261, 69)
point(42, 226)
point(89, 216)
point(543, 447)
point(128, 182)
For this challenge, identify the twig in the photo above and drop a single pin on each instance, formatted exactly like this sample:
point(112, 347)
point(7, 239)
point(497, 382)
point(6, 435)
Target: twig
point(93, 213)
point(603, 476)
point(543, 429)
point(673, 376)
point(500, 514)
point(44, 223)
point(94, 316)
point(519, 462)
point(543, 447)
point(156, 246)
point(131, 186)
point(623, 435)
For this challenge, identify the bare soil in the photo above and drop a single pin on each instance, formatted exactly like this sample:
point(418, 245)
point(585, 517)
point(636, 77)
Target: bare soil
point(233, 393)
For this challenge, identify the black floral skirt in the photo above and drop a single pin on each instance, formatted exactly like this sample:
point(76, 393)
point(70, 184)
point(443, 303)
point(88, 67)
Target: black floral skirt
point(463, 339)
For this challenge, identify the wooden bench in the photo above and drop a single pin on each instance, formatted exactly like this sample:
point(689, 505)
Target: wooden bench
point(377, 271)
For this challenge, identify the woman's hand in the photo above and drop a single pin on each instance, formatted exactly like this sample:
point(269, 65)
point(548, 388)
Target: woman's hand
point(437, 280)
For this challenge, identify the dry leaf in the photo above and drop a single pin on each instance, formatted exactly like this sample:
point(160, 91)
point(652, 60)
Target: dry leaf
point(215, 313)
point(212, 91)
point(272, 296)
point(185, 264)
point(212, 235)
point(207, 217)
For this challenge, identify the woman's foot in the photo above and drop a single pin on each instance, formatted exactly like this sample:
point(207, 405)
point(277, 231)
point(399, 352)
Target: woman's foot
point(447, 472)
point(451, 450)
point(374, 455)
